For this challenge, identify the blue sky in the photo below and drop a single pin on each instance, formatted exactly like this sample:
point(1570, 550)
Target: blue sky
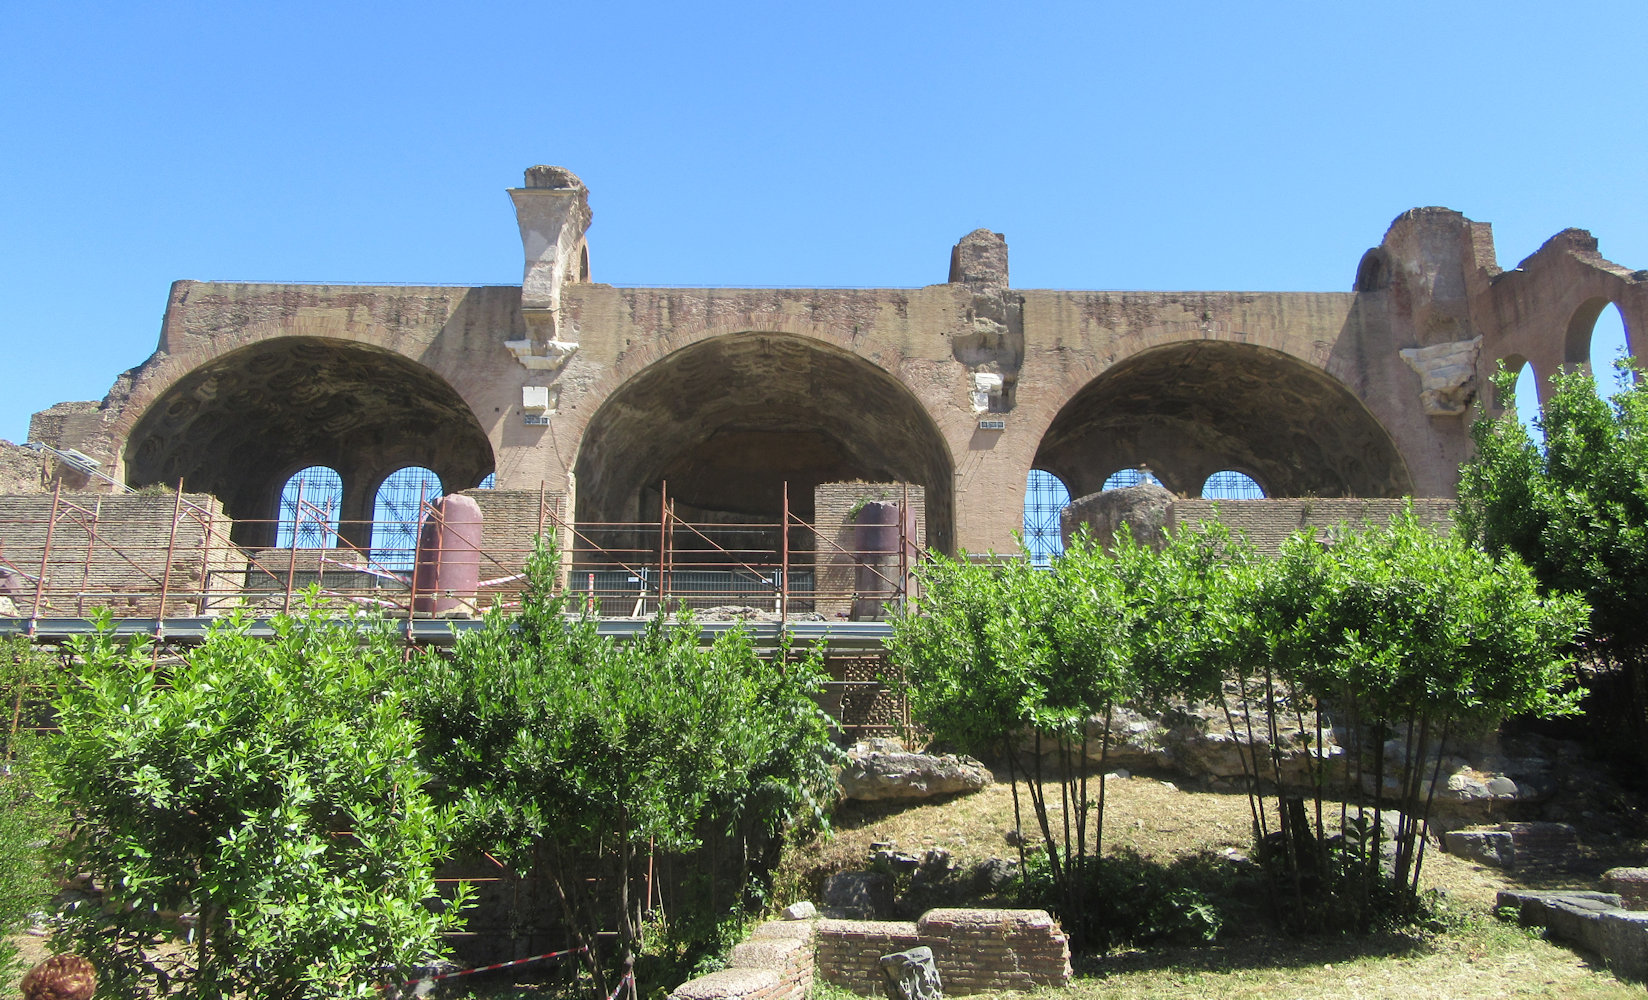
point(1148, 146)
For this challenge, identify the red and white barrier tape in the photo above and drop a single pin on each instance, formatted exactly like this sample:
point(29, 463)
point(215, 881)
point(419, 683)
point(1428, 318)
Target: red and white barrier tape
point(413, 983)
point(629, 977)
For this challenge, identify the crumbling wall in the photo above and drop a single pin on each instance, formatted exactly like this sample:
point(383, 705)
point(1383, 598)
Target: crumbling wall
point(1266, 523)
point(22, 470)
point(836, 565)
point(110, 551)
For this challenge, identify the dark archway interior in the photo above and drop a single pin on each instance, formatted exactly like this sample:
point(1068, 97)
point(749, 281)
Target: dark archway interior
point(239, 425)
point(1190, 410)
point(728, 422)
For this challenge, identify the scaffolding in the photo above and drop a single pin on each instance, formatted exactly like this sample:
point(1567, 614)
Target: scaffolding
point(163, 565)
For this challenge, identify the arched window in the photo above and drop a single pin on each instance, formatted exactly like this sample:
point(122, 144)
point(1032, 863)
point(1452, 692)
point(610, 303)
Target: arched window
point(1527, 402)
point(1231, 485)
point(490, 482)
point(309, 505)
point(1123, 478)
point(396, 513)
point(1608, 345)
point(1045, 495)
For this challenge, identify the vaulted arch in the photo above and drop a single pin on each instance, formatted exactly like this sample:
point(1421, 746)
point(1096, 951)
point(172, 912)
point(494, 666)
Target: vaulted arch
point(1188, 410)
point(240, 424)
point(728, 421)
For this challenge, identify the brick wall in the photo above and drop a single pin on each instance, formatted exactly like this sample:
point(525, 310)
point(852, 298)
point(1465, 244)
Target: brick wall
point(774, 963)
point(110, 551)
point(509, 520)
point(1267, 522)
point(833, 505)
point(977, 951)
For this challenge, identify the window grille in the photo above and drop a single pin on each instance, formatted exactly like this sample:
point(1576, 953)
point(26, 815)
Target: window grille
point(1045, 495)
point(1123, 478)
point(397, 513)
point(315, 525)
point(1231, 485)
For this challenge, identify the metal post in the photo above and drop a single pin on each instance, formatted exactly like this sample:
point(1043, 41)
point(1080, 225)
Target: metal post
point(663, 542)
point(292, 560)
point(206, 545)
point(784, 560)
point(45, 554)
point(86, 567)
point(171, 553)
point(903, 549)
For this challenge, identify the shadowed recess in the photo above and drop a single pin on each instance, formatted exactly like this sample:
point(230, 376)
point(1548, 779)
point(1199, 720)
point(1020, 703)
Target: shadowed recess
point(1189, 410)
point(240, 424)
point(729, 421)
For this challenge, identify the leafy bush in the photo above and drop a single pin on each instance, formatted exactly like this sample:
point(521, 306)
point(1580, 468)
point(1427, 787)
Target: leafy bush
point(27, 821)
point(1130, 900)
point(1408, 633)
point(566, 753)
point(269, 787)
point(1576, 510)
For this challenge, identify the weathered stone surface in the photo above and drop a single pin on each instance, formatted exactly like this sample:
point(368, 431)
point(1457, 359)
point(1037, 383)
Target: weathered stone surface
point(1144, 509)
point(1447, 374)
point(1592, 920)
point(22, 470)
point(1510, 845)
point(1631, 885)
point(726, 984)
point(876, 776)
point(1488, 847)
point(858, 895)
point(911, 975)
point(803, 910)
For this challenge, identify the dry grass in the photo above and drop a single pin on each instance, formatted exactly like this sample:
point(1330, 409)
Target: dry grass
point(1478, 957)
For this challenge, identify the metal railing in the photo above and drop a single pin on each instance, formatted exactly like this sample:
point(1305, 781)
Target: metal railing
point(172, 555)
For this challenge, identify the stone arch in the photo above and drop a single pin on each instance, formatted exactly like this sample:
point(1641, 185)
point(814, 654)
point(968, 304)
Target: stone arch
point(237, 425)
point(1576, 342)
point(1190, 409)
point(727, 421)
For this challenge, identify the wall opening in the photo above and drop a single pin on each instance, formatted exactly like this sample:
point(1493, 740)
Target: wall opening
point(725, 425)
point(1228, 484)
point(310, 503)
point(1121, 479)
point(1045, 496)
point(233, 425)
point(1608, 345)
point(1193, 409)
point(397, 510)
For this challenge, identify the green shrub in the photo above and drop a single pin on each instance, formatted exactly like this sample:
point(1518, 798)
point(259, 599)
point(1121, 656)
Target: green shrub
point(269, 787)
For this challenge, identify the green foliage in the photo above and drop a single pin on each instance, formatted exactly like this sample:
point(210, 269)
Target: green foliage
point(564, 750)
point(26, 825)
point(1577, 513)
point(270, 787)
point(1132, 901)
point(28, 675)
point(1000, 654)
point(1407, 632)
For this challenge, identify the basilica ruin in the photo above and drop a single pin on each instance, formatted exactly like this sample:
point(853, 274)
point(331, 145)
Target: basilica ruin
point(742, 408)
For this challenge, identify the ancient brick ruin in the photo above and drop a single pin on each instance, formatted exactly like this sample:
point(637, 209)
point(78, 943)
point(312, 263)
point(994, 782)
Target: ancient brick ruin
point(723, 399)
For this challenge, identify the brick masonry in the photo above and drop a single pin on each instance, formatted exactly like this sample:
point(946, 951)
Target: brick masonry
point(833, 508)
point(1266, 523)
point(977, 951)
point(110, 551)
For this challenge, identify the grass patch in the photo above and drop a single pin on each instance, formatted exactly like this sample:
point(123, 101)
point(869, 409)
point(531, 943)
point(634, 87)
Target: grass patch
point(1201, 838)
